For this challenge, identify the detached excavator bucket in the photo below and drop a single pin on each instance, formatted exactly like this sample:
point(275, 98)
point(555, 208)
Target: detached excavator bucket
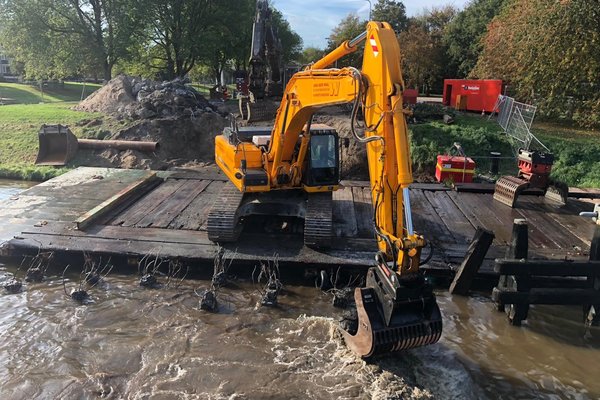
point(410, 321)
point(57, 145)
point(252, 111)
point(508, 189)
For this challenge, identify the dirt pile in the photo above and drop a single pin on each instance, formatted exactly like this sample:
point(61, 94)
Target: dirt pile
point(353, 157)
point(171, 113)
point(139, 98)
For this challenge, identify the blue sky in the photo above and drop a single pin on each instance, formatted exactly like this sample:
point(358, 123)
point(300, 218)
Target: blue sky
point(314, 19)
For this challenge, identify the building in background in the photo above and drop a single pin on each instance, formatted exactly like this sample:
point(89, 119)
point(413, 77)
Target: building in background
point(4, 64)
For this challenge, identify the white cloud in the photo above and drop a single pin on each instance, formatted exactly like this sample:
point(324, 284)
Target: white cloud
point(313, 20)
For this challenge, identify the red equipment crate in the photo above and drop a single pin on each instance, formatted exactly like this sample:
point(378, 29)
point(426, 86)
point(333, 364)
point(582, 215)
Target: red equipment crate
point(409, 96)
point(477, 95)
point(454, 168)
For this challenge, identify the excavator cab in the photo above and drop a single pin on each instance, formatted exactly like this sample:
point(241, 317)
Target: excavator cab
point(323, 159)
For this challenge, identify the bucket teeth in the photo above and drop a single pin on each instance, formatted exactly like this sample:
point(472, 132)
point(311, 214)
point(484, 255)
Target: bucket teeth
point(407, 330)
point(508, 188)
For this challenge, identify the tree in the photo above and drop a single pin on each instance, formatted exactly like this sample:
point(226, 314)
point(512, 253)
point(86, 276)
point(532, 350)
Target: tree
point(420, 55)
point(549, 52)
point(424, 53)
point(463, 36)
point(350, 27)
point(178, 30)
point(311, 54)
point(57, 36)
point(291, 42)
point(391, 11)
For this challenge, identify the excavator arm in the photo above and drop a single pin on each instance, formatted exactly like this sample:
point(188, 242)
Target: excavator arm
point(397, 309)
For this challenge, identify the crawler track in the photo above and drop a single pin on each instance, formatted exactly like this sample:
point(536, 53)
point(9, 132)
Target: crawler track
point(222, 222)
point(318, 222)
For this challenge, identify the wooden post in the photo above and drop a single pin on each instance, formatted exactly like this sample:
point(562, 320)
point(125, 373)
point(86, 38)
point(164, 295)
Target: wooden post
point(518, 250)
point(592, 316)
point(473, 259)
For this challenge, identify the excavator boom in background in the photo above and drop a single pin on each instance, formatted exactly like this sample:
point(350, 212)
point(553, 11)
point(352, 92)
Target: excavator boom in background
point(264, 77)
point(292, 169)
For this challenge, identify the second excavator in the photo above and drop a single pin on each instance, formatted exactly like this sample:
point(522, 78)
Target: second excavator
point(292, 169)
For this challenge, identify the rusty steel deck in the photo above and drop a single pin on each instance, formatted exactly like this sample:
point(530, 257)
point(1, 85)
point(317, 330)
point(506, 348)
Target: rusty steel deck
point(133, 213)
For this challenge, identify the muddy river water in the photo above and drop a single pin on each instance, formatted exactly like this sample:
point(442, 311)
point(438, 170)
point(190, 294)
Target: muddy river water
point(137, 343)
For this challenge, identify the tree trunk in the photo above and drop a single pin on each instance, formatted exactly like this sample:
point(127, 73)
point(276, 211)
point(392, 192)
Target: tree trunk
point(107, 71)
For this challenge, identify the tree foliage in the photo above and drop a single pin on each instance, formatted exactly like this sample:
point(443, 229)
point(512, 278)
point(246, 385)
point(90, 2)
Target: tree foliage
point(423, 49)
point(391, 11)
point(349, 28)
point(549, 52)
point(463, 35)
point(58, 37)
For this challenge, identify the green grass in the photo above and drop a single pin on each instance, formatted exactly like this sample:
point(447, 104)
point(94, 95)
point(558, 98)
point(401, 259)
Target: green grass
point(477, 136)
point(17, 93)
point(19, 126)
point(577, 152)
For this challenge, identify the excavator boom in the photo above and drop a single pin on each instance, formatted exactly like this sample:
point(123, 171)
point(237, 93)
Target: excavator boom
point(397, 309)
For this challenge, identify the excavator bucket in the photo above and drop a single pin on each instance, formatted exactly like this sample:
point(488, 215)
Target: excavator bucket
point(57, 145)
point(252, 111)
point(508, 189)
point(384, 324)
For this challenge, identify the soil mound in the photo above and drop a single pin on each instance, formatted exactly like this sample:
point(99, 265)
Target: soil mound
point(171, 113)
point(139, 98)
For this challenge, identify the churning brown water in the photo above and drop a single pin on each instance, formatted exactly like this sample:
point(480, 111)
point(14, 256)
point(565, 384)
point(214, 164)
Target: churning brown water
point(137, 343)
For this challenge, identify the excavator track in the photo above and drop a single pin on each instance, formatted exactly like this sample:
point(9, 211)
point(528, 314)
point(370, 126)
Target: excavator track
point(318, 222)
point(408, 328)
point(223, 217)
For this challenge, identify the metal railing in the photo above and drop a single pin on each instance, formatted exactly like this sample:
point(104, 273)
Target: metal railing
point(516, 119)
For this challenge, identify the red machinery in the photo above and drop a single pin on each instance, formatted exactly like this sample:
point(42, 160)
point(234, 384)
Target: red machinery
point(457, 168)
point(534, 174)
point(472, 95)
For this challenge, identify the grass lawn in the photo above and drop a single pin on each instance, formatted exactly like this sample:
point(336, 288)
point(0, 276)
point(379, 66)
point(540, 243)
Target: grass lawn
point(577, 152)
point(17, 93)
point(19, 126)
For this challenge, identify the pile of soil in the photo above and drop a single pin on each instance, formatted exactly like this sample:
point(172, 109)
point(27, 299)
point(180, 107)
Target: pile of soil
point(171, 113)
point(353, 158)
point(139, 98)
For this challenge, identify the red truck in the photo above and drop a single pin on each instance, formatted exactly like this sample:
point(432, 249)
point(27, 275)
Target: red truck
point(472, 95)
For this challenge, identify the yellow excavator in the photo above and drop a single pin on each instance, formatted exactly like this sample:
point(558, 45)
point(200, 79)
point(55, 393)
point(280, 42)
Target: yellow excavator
point(292, 169)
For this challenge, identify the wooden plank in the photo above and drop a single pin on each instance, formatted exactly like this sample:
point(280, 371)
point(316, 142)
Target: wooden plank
point(547, 267)
point(457, 223)
point(535, 210)
point(582, 193)
point(475, 187)
point(552, 296)
point(147, 204)
point(364, 211)
point(468, 269)
point(212, 174)
point(157, 235)
point(119, 198)
point(483, 211)
point(427, 222)
point(194, 216)
point(429, 186)
point(344, 216)
point(257, 248)
point(569, 220)
point(166, 211)
point(129, 248)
